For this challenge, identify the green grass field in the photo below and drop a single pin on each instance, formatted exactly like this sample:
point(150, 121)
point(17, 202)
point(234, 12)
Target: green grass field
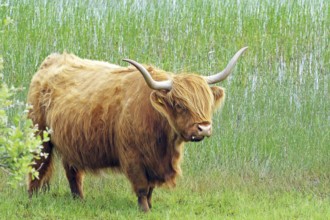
point(269, 157)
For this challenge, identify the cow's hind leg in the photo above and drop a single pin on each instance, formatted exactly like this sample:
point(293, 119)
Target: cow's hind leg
point(75, 178)
point(44, 166)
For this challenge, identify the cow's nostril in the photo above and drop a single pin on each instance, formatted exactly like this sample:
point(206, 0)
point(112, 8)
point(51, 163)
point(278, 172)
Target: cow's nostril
point(204, 128)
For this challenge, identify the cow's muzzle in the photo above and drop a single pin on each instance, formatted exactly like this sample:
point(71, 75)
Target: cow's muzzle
point(201, 131)
point(204, 130)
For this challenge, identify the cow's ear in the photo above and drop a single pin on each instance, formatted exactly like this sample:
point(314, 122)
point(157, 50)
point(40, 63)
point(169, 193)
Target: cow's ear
point(219, 96)
point(159, 100)
point(158, 97)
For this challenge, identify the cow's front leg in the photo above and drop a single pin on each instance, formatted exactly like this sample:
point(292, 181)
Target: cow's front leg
point(139, 181)
point(149, 196)
point(143, 200)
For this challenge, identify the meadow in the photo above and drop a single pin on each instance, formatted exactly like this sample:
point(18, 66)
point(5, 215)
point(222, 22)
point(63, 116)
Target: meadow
point(269, 156)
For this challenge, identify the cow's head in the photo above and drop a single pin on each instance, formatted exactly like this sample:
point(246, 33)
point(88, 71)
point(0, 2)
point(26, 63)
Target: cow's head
point(187, 100)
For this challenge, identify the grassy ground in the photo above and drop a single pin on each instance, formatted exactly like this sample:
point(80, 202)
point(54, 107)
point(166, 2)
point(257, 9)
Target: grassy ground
point(269, 157)
point(111, 198)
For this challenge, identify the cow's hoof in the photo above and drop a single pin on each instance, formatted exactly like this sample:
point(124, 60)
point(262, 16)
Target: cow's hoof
point(143, 204)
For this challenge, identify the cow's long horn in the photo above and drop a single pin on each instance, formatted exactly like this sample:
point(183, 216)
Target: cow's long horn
point(224, 73)
point(157, 85)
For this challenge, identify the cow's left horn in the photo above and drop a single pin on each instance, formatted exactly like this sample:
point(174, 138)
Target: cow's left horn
point(224, 73)
point(157, 85)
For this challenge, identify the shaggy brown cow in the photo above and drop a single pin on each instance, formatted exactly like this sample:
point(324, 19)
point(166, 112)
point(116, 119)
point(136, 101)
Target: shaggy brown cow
point(107, 116)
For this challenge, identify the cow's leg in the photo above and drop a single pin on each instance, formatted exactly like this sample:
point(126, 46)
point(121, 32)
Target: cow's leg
point(149, 196)
point(142, 200)
point(44, 166)
point(75, 178)
point(138, 179)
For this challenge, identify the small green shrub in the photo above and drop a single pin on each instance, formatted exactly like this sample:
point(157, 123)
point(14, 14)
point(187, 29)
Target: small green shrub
point(18, 143)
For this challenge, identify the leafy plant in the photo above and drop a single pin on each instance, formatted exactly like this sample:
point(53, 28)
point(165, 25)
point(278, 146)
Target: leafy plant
point(18, 142)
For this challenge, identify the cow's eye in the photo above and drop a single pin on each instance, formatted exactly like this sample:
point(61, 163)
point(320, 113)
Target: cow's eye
point(179, 108)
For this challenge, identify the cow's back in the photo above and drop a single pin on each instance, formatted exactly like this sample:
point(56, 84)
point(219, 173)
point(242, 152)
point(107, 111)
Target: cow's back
point(72, 97)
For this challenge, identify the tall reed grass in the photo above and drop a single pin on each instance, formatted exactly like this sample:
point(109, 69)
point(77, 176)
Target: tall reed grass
point(275, 122)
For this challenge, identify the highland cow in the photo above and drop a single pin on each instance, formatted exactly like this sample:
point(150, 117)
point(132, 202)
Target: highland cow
point(108, 116)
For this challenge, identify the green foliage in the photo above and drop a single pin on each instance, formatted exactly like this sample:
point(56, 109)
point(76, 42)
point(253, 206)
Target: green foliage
point(18, 144)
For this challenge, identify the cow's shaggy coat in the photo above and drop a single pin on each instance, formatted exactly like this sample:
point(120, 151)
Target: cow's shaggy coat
point(105, 116)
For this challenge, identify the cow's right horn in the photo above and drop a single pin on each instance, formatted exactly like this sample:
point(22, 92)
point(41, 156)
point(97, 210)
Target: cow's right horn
point(157, 85)
point(224, 73)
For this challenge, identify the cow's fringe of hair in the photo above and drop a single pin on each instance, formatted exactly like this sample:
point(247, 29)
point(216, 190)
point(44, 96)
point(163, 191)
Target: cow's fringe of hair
point(198, 105)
